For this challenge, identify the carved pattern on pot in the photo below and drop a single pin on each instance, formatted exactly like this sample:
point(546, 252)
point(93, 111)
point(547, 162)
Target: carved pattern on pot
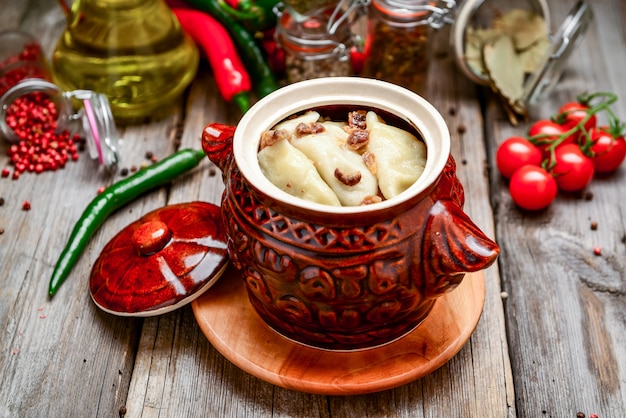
point(350, 277)
point(353, 301)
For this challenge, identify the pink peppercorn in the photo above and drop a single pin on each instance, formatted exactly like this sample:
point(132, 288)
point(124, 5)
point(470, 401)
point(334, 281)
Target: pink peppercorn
point(32, 117)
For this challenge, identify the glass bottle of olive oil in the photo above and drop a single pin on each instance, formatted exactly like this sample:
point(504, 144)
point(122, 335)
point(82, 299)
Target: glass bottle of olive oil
point(133, 51)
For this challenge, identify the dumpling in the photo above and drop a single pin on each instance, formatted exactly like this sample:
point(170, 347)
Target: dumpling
point(292, 171)
point(289, 125)
point(341, 168)
point(400, 156)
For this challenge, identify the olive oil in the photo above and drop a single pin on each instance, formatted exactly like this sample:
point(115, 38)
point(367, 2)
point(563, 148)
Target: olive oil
point(133, 51)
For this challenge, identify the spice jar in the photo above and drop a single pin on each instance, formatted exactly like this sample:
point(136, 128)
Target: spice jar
point(399, 38)
point(92, 115)
point(20, 58)
point(509, 46)
point(315, 47)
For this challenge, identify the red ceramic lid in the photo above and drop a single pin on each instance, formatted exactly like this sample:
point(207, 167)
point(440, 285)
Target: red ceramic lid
point(160, 262)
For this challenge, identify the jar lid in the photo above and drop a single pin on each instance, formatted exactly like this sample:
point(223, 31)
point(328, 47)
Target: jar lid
point(567, 38)
point(410, 13)
point(98, 127)
point(162, 261)
point(550, 67)
point(317, 35)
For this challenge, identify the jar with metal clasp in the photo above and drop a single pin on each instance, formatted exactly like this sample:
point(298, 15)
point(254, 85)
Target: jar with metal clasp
point(320, 45)
point(509, 46)
point(80, 111)
point(399, 32)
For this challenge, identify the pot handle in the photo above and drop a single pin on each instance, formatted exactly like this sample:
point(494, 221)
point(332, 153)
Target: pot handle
point(217, 143)
point(453, 245)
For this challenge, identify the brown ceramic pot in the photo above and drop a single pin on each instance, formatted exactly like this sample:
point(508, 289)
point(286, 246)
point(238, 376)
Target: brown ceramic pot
point(345, 278)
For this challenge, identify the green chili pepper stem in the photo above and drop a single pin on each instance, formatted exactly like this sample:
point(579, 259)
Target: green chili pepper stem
point(252, 13)
point(114, 197)
point(242, 100)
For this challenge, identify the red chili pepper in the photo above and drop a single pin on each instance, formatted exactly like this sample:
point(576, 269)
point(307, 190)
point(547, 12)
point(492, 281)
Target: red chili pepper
point(230, 74)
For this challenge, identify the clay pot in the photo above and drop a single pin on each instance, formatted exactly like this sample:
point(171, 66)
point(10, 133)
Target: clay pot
point(345, 278)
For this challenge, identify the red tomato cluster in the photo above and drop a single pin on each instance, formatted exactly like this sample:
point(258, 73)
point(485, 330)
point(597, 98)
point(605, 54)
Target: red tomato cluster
point(562, 153)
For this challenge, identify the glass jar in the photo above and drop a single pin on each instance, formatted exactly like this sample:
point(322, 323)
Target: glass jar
point(133, 51)
point(89, 110)
point(301, 10)
point(478, 20)
point(20, 58)
point(398, 40)
point(314, 47)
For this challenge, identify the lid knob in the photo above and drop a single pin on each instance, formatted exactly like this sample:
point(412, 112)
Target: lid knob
point(151, 237)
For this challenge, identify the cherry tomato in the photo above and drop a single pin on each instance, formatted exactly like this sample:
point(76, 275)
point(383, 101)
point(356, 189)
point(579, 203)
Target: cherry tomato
point(548, 127)
point(516, 152)
point(571, 114)
point(573, 170)
point(608, 151)
point(532, 187)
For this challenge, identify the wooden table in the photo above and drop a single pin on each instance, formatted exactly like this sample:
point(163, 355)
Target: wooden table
point(550, 342)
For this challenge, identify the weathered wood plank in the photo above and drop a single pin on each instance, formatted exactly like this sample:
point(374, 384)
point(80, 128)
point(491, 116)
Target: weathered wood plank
point(565, 306)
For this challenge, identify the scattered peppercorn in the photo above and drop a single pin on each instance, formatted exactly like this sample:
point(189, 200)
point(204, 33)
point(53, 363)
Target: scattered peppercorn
point(594, 225)
point(20, 66)
point(1, 231)
point(149, 155)
point(461, 129)
point(580, 415)
point(1, 201)
point(122, 411)
point(133, 168)
point(33, 119)
point(26, 205)
point(589, 196)
point(212, 172)
point(452, 111)
point(124, 172)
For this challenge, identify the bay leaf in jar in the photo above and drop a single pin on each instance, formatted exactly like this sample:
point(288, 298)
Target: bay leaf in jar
point(504, 68)
point(506, 52)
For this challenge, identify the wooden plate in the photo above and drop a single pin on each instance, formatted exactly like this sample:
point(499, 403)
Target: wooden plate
point(229, 322)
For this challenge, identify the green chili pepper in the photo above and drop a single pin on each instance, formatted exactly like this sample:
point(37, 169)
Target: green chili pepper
point(114, 197)
point(255, 16)
point(258, 67)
